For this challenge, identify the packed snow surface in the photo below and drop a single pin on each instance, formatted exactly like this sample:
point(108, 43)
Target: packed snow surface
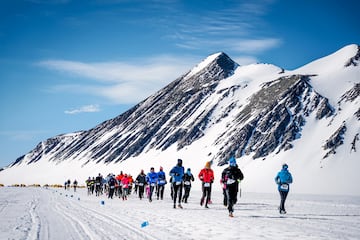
point(54, 213)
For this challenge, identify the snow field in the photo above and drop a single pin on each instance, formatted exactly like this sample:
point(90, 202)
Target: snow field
point(39, 213)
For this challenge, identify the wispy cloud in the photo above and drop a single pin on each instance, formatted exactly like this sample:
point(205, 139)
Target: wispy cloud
point(153, 69)
point(236, 46)
point(255, 45)
point(245, 60)
point(121, 82)
point(238, 29)
point(234, 30)
point(87, 108)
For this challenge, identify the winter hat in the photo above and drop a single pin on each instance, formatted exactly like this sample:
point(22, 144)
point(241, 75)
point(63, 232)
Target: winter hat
point(232, 162)
point(179, 162)
point(208, 165)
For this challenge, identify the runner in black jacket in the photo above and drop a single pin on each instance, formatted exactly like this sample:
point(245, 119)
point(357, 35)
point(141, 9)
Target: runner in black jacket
point(188, 178)
point(141, 182)
point(231, 177)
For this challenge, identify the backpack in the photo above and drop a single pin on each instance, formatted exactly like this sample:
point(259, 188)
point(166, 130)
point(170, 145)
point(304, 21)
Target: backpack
point(111, 181)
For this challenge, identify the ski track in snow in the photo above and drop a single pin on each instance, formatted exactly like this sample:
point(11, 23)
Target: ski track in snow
point(39, 213)
point(34, 218)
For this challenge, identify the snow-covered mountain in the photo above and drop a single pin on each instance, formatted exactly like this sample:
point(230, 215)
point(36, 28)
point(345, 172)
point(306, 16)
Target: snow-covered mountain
point(259, 113)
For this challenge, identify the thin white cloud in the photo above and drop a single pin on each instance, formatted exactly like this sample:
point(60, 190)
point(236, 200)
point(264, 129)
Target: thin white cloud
point(234, 30)
point(238, 46)
point(162, 67)
point(245, 60)
point(101, 71)
point(121, 82)
point(87, 108)
point(255, 45)
point(237, 29)
point(125, 83)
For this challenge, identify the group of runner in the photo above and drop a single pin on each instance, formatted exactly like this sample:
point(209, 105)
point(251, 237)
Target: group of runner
point(67, 185)
point(145, 185)
point(120, 185)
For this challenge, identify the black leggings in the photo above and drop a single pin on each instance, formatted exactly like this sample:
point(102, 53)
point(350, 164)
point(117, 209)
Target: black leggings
point(206, 193)
point(152, 187)
point(283, 196)
point(231, 195)
point(187, 193)
point(160, 192)
point(177, 192)
point(141, 190)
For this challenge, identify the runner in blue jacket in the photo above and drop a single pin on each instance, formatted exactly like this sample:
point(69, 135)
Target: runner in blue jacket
point(151, 179)
point(161, 184)
point(283, 179)
point(177, 174)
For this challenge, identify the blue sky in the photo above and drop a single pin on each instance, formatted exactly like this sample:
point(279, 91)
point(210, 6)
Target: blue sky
point(70, 65)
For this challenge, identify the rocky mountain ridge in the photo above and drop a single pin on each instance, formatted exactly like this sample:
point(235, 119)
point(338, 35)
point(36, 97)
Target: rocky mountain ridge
point(267, 120)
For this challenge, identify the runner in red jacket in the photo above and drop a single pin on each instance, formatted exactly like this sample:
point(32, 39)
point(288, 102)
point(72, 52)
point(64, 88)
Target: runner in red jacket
point(206, 175)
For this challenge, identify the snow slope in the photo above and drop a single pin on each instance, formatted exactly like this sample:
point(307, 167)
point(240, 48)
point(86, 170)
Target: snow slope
point(39, 213)
point(332, 75)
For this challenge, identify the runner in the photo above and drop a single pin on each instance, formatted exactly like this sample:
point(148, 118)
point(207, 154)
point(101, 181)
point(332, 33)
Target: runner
point(206, 175)
point(188, 178)
point(231, 177)
point(141, 181)
point(161, 184)
point(177, 174)
point(151, 179)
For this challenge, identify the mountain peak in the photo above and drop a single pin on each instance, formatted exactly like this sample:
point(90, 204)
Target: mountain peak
point(344, 57)
point(220, 59)
point(354, 61)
